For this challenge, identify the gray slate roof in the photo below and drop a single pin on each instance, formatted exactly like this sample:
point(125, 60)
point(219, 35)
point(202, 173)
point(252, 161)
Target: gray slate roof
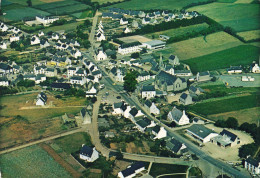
point(200, 130)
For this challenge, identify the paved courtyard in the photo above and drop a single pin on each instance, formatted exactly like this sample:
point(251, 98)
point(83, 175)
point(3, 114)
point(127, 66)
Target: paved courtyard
point(235, 80)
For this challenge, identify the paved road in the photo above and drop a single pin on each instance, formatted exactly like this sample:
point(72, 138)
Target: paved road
point(192, 147)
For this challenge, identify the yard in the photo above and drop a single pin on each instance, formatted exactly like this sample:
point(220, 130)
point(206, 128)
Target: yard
point(32, 161)
point(159, 169)
point(240, 55)
point(244, 17)
point(201, 46)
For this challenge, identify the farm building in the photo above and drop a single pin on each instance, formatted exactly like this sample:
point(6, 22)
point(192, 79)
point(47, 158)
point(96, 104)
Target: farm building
point(201, 133)
point(226, 139)
point(154, 44)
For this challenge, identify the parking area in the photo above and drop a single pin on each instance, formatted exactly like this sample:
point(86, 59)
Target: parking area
point(236, 80)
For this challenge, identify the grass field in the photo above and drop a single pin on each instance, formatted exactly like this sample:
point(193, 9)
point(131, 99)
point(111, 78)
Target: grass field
point(56, 4)
point(240, 55)
point(30, 162)
point(179, 31)
point(200, 46)
point(226, 104)
point(68, 9)
point(66, 27)
point(155, 4)
point(73, 143)
point(244, 17)
point(85, 14)
point(250, 35)
point(105, 1)
point(159, 169)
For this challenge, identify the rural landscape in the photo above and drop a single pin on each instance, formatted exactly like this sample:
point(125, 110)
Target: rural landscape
point(130, 88)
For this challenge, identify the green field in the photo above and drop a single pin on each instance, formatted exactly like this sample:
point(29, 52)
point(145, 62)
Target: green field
point(32, 161)
point(85, 14)
point(240, 55)
point(23, 2)
point(66, 27)
point(155, 4)
point(68, 9)
point(244, 17)
point(57, 4)
point(200, 46)
point(226, 104)
point(6, 2)
point(105, 1)
point(250, 35)
point(73, 143)
point(159, 169)
point(179, 31)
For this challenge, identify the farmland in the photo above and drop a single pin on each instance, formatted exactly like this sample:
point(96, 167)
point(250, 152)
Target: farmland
point(244, 17)
point(155, 4)
point(84, 14)
point(159, 169)
point(250, 35)
point(179, 31)
point(30, 162)
point(201, 46)
point(105, 1)
point(67, 27)
point(240, 55)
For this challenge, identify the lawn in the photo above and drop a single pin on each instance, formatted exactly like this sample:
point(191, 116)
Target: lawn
point(179, 31)
point(244, 17)
point(200, 46)
point(226, 104)
point(159, 169)
point(155, 4)
point(240, 55)
point(66, 27)
point(73, 143)
point(250, 35)
point(32, 161)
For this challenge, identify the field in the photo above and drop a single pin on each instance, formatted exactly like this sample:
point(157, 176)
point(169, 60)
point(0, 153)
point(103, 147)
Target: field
point(68, 9)
point(179, 31)
point(155, 4)
point(240, 55)
point(30, 162)
point(57, 4)
point(105, 1)
point(66, 27)
point(85, 14)
point(250, 35)
point(223, 105)
point(159, 169)
point(244, 17)
point(201, 46)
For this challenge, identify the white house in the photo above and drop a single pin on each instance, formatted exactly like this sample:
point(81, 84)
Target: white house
point(41, 33)
point(127, 30)
point(44, 43)
point(146, 21)
point(128, 48)
point(178, 117)
point(132, 170)
point(255, 68)
point(71, 71)
point(78, 80)
point(201, 133)
point(159, 132)
point(4, 82)
point(151, 107)
point(101, 55)
point(92, 92)
point(252, 165)
point(119, 108)
point(235, 70)
point(88, 154)
point(175, 146)
point(35, 40)
point(226, 139)
point(3, 45)
point(144, 123)
point(51, 72)
point(123, 21)
point(134, 113)
point(148, 92)
point(41, 99)
point(14, 37)
point(46, 20)
point(3, 27)
point(85, 116)
point(75, 53)
point(100, 37)
point(55, 36)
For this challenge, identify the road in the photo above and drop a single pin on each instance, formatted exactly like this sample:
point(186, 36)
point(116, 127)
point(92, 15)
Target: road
point(192, 147)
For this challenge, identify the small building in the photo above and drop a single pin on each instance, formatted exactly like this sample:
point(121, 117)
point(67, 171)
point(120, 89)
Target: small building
point(201, 133)
point(175, 146)
point(226, 139)
point(185, 99)
point(151, 107)
point(41, 99)
point(85, 116)
point(252, 165)
point(119, 108)
point(60, 86)
point(198, 121)
point(132, 170)
point(174, 60)
point(92, 92)
point(203, 76)
point(88, 154)
point(148, 92)
point(159, 132)
point(196, 90)
point(101, 55)
point(164, 37)
point(4, 81)
point(178, 117)
point(154, 44)
point(235, 70)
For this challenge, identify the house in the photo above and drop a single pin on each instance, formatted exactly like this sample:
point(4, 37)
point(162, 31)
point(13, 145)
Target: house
point(44, 43)
point(146, 21)
point(119, 108)
point(123, 21)
point(5, 68)
point(174, 60)
point(226, 139)
point(144, 75)
point(4, 81)
point(3, 27)
point(14, 37)
point(3, 45)
point(165, 13)
point(39, 69)
point(134, 113)
point(252, 165)
point(51, 72)
point(169, 69)
point(35, 40)
point(101, 55)
point(78, 80)
point(148, 92)
point(135, 24)
point(100, 37)
point(92, 92)
point(185, 99)
point(164, 37)
point(144, 123)
point(167, 82)
point(151, 107)
point(97, 74)
point(75, 53)
point(183, 73)
point(60, 86)
point(132, 170)
point(81, 72)
point(71, 71)
point(179, 117)
point(196, 90)
point(198, 121)
point(40, 78)
point(141, 14)
point(109, 134)
point(88, 154)
point(159, 132)
point(128, 48)
point(203, 76)
point(175, 146)
point(41, 99)
point(41, 33)
point(201, 133)
point(235, 70)
point(255, 68)
point(127, 30)
point(85, 116)
point(46, 20)
point(55, 36)
point(154, 44)
point(157, 14)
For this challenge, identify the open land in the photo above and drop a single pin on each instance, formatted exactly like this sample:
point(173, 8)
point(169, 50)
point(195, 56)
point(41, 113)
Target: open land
point(67, 27)
point(159, 169)
point(244, 17)
point(250, 35)
point(201, 46)
point(32, 161)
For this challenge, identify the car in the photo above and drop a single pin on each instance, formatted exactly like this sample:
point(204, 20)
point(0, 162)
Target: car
point(118, 97)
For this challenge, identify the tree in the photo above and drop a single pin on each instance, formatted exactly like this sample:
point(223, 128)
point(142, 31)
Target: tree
point(220, 123)
point(87, 23)
point(130, 81)
point(135, 55)
point(29, 3)
point(119, 155)
point(246, 150)
point(232, 122)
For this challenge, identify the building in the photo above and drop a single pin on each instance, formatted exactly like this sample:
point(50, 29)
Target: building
point(100, 37)
point(46, 20)
point(119, 108)
point(178, 117)
point(92, 92)
point(151, 107)
point(35, 40)
point(88, 154)
point(226, 139)
point(128, 48)
point(123, 21)
point(155, 44)
point(60, 86)
point(235, 70)
point(203, 76)
point(175, 146)
point(41, 99)
point(196, 90)
point(144, 123)
point(201, 133)
point(255, 68)
point(164, 37)
point(101, 55)
point(198, 121)
point(159, 132)
point(127, 30)
point(14, 37)
point(185, 99)
point(132, 170)
point(148, 92)
point(252, 165)
point(4, 82)
point(85, 116)
point(3, 45)
point(174, 60)
point(78, 80)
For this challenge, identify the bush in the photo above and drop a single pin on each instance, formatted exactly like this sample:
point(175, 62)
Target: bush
point(26, 83)
point(246, 150)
